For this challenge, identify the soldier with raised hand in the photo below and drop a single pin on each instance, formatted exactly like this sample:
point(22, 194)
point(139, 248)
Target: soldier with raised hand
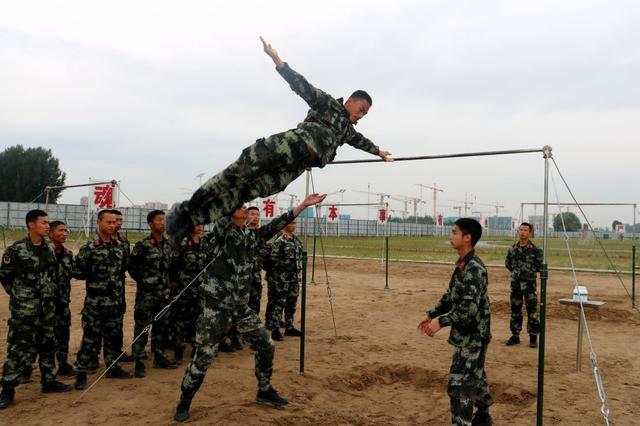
point(524, 261)
point(187, 265)
point(225, 303)
point(100, 262)
point(149, 267)
point(285, 277)
point(28, 275)
point(58, 236)
point(270, 164)
point(255, 295)
point(465, 308)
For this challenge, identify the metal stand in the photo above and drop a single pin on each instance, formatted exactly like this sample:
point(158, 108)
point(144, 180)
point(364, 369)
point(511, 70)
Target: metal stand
point(303, 309)
point(594, 304)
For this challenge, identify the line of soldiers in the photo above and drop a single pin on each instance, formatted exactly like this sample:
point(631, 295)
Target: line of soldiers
point(36, 272)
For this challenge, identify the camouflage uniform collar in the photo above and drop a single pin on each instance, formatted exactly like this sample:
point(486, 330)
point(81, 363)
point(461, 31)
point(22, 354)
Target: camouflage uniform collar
point(98, 240)
point(462, 262)
point(153, 240)
point(30, 244)
point(344, 110)
point(528, 245)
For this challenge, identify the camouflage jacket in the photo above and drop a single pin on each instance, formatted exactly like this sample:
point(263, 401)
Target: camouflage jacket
point(327, 122)
point(64, 273)
point(465, 305)
point(524, 261)
point(230, 275)
point(188, 261)
point(286, 259)
point(101, 264)
point(127, 249)
point(28, 275)
point(262, 252)
point(149, 263)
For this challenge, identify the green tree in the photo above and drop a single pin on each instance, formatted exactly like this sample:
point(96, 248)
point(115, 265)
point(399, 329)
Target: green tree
point(24, 173)
point(571, 222)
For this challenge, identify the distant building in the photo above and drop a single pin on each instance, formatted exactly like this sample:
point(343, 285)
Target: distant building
point(84, 201)
point(154, 205)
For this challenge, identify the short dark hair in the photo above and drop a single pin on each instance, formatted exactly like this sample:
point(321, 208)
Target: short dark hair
point(103, 212)
point(33, 215)
point(116, 212)
point(528, 225)
point(253, 208)
point(53, 225)
point(152, 215)
point(471, 227)
point(361, 94)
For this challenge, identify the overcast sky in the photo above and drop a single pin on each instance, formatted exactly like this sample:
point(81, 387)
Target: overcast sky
point(153, 93)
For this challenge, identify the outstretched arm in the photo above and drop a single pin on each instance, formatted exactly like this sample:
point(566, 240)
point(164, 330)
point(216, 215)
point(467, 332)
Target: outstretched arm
point(267, 231)
point(315, 98)
point(357, 140)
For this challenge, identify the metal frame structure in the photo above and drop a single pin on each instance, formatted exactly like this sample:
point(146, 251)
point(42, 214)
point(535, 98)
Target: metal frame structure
point(546, 151)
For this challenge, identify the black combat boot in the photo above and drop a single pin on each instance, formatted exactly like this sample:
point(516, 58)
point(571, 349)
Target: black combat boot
point(292, 332)
point(182, 410)
point(482, 418)
point(81, 380)
point(116, 372)
point(140, 369)
point(270, 397)
point(533, 340)
point(55, 386)
point(235, 343)
point(276, 335)
point(160, 361)
point(126, 358)
point(179, 355)
point(225, 347)
point(6, 397)
point(513, 340)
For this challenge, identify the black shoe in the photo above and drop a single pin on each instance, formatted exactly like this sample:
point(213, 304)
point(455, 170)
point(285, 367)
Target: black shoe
point(513, 340)
point(6, 397)
point(178, 356)
point(65, 369)
point(292, 332)
point(271, 397)
point(225, 347)
point(116, 372)
point(482, 418)
point(235, 344)
point(55, 387)
point(160, 361)
point(276, 335)
point(178, 224)
point(182, 411)
point(140, 370)
point(81, 380)
point(126, 358)
point(25, 378)
point(533, 341)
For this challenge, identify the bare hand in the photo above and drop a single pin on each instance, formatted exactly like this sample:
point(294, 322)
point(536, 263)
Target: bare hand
point(386, 156)
point(313, 199)
point(273, 53)
point(433, 328)
point(422, 326)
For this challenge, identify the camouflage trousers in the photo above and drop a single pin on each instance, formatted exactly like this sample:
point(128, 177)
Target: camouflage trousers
point(282, 299)
point(255, 296)
point(123, 309)
point(524, 292)
point(468, 384)
point(213, 325)
point(148, 305)
point(264, 168)
point(101, 322)
point(186, 312)
point(29, 335)
point(63, 326)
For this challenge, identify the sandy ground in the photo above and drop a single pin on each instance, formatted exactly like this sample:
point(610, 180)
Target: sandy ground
point(377, 370)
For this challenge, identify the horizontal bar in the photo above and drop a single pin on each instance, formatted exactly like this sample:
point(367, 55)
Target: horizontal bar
point(437, 157)
point(350, 204)
point(111, 182)
point(579, 204)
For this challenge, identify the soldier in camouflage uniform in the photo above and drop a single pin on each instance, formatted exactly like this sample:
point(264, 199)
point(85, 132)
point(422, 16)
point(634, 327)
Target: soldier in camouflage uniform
point(284, 282)
point(225, 296)
point(100, 263)
point(524, 260)
point(58, 235)
point(465, 307)
point(149, 267)
point(187, 265)
point(28, 275)
point(126, 247)
point(270, 164)
point(255, 295)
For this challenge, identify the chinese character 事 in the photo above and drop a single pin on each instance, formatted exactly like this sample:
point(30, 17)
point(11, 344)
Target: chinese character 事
point(103, 196)
point(333, 212)
point(269, 207)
